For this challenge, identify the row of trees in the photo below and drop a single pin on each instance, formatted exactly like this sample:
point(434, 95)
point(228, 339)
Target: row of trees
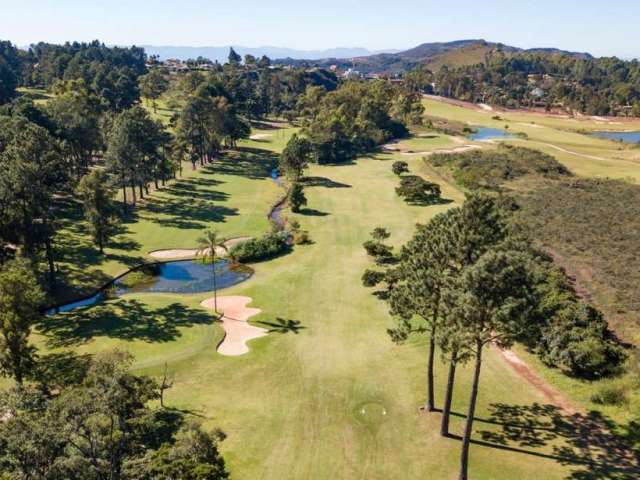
point(468, 279)
point(594, 86)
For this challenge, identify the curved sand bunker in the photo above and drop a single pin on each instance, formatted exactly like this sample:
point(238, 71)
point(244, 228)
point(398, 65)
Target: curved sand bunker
point(187, 253)
point(260, 136)
point(234, 322)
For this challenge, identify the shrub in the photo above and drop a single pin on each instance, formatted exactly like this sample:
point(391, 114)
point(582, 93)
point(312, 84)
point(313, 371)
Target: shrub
point(400, 167)
point(262, 248)
point(301, 237)
point(610, 396)
point(378, 250)
point(371, 278)
point(296, 197)
point(492, 168)
point(578, 341)
point(417, 190)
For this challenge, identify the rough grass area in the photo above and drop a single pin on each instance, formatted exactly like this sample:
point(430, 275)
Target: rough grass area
point(491, 169)
point(595, 226)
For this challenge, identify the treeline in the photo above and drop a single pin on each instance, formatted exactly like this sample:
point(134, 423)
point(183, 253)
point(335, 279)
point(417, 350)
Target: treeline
point(592, 86)
point(356, 118)
point(469, 279)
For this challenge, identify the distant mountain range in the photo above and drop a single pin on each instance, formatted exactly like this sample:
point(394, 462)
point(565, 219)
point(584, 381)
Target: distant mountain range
point(433, 55)
point(221, 53)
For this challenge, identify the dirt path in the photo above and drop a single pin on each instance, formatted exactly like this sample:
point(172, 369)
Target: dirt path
point(238, 331)
point(523, 370)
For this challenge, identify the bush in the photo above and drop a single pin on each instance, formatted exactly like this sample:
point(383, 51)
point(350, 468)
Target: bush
point(262, 248)
point(417, 190)
point(301, 237)
point(296, 196)
point(371, 278)
point(378, 250)
point(578, 341)
point(400, 167)
point(610, 396)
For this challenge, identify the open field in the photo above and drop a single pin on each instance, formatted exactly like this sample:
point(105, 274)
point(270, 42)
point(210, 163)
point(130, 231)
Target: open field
point(325, 394)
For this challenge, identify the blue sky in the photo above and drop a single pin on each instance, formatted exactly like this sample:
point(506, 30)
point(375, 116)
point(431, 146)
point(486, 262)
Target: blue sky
point(600, 27)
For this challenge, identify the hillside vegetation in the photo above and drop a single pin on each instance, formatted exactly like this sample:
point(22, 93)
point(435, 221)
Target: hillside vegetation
point(492, 168)
point(596, 225)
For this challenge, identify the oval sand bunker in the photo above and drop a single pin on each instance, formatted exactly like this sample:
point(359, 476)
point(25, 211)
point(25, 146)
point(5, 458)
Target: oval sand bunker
point(238, 332)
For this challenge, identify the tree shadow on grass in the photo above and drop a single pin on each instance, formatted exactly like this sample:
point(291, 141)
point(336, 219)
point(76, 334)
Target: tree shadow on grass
point(323, 182)
point(429, 202)
point(123, 319)
point(60, 369)
point(312, 212)
point(283, 326)
point(252, 163)
point(594, 445)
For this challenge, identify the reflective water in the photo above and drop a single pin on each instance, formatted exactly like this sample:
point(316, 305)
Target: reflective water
point(626, 137)
point(485, 133)
point(185, 276)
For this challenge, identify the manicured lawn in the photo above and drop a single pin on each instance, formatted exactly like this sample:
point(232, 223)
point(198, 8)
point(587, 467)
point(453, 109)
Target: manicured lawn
point(331, 397)
point(233, 196)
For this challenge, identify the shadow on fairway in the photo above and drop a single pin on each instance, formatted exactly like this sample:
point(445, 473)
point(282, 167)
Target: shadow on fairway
point(253, 163)
point(323, 182)
point(312, 212)
point(122, 319)
point(594, 444)
point(283, 326)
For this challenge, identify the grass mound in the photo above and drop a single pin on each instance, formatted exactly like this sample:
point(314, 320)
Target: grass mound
point(491, 169)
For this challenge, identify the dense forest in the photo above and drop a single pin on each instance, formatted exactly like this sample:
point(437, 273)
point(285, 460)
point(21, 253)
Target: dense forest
point(593, 86)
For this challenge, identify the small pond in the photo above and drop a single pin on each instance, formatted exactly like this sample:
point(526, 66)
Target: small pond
point(185, 276)
point(485, 133)
point(625, 137)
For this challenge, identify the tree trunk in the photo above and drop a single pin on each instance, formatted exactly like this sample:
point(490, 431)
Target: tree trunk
point(448, 396)
point(124, 196)
point(140, 190)
point(133, 193)
point(215, 289)
point(431, 406)
point(466, 439)
point(50, 261)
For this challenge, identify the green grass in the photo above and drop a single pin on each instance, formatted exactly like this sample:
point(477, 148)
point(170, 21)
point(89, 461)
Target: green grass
point(292, 407)
point(232, 196)
point(582, 154)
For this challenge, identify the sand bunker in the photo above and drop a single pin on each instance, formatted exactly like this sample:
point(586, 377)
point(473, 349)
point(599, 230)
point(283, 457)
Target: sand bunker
point(186, 253)
point(260, 136)
point(234, 322)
